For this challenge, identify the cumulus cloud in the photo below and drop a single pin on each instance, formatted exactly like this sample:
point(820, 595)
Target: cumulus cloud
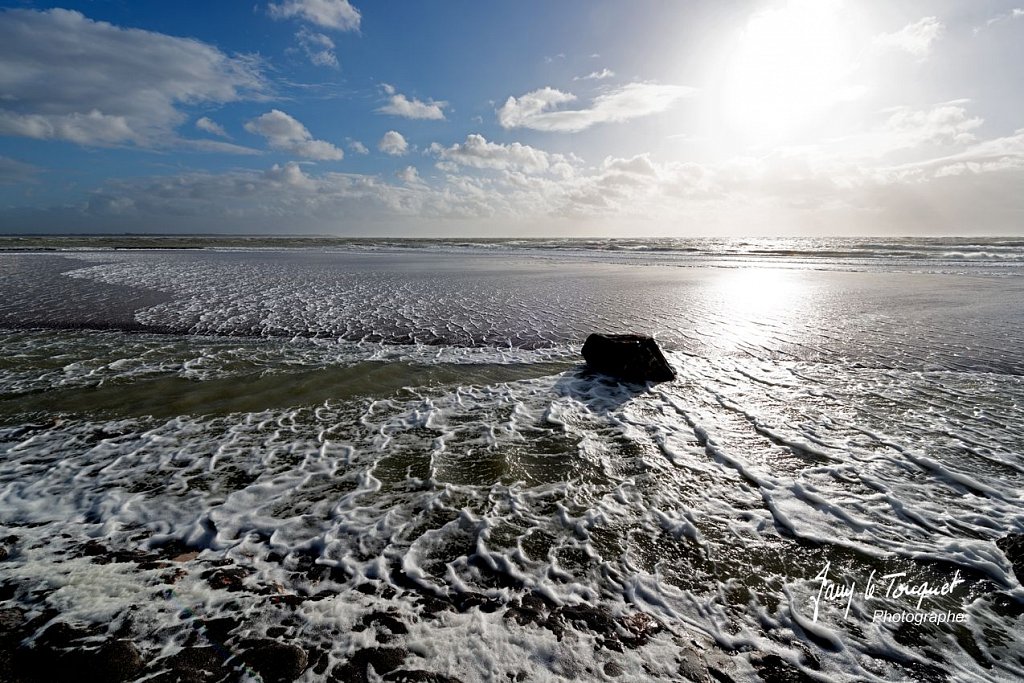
point(358, 147)
point(67, 77)
point(333, 14)
point(409, 175)
point(487, 184)
point(538, 109)
point(477, 152)
point(915, 39)
point(210, 126)
point(319, 48)
point(393, 143)
point(285, 133)
point(400, 105)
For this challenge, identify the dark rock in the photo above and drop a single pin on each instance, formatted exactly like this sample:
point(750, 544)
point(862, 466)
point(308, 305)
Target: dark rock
point(385, 622)
point(384, 660)
point(288, 599)
point(775, 669)
point(432, 605)
point(62, 635)
point(524, 615)
point(1013, 547)
point(228, 578)
point(319, 660)
point(115, 661)
point(94, 549)
point(638, 628)
point(217, 630)
point(597, 620)
point(632, 357)
point(1006, 606)
point(468, 600)
point(536, 602)
point(274, 661)
point(193, 665)
point(12, 623)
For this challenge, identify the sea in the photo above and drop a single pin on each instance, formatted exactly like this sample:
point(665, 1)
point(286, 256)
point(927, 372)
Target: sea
point(389, 456)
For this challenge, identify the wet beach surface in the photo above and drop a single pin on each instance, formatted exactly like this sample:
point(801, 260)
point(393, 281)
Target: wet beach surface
point(309, 465)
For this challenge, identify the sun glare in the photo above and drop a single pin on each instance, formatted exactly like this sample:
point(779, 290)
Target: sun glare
point(791, 62)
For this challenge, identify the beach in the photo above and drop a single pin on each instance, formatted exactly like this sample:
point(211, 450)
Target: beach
point(352, 459)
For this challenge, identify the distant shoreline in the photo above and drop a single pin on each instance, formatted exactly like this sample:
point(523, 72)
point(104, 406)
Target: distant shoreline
point(65, 242)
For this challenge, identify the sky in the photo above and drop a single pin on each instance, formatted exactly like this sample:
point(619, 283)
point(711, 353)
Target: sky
point(529, 118)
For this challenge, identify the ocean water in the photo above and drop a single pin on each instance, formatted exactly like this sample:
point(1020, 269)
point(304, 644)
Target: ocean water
point(359, 428)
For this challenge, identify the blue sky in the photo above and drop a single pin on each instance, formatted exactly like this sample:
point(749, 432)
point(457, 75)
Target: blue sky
point(577, 117)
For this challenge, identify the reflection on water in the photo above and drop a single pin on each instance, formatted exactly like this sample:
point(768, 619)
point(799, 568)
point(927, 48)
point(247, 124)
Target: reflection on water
point(759, 310)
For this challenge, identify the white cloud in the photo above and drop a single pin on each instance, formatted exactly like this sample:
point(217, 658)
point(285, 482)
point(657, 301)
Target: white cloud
point(477, 152)
point(905, 132)
point(400, 105)
point(92, 128)
point(537, 109)
point(217, 146)
point(67, 77)
point(393, 143)
point(943, 124)
point(358, 147)
point(596, 75)
point(488, 186)
point(208, 125)
point(334, 14)
point(318, 47)
point(286, 134)
point(409, 175)
point(916, 39)
point(1015, 13)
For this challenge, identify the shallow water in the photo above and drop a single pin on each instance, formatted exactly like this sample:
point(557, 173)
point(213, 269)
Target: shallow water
point(418, 421)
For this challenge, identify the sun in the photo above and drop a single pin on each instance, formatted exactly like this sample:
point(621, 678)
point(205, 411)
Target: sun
point(791, 62)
